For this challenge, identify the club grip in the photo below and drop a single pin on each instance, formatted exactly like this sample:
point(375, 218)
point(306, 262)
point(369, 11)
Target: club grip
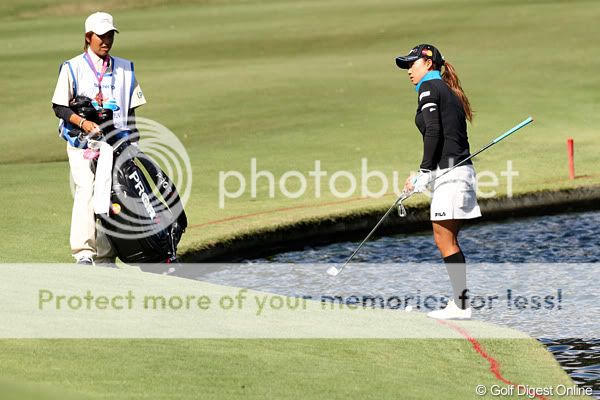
point(513, 130)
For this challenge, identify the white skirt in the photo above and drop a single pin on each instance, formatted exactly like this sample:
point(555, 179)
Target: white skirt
point(454, 195)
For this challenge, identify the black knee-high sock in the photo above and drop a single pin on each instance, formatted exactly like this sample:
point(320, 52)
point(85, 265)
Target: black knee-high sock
point(457, 271)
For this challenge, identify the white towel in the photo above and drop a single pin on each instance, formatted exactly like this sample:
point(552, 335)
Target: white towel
point(103, 180)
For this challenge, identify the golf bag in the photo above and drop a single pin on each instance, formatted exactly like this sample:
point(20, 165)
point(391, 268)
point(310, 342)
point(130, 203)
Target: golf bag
point(146, 218)
point(143, 227)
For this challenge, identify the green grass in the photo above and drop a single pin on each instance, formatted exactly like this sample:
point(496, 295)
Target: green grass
point(276, 369)
point(289, 83)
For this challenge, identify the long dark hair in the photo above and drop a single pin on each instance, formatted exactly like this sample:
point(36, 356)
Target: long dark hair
point(449, 76)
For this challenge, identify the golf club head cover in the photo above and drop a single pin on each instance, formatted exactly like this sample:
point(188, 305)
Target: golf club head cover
point(82, 106)
point(421, 180)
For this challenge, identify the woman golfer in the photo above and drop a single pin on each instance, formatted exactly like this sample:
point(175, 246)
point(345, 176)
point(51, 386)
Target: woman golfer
point(442, 114)
point(110, 82)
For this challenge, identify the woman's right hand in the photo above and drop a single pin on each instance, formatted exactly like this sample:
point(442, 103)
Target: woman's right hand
point(408, 184)
point(91, 128)
point(418, 183)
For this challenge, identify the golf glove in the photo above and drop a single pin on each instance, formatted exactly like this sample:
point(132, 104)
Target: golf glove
point(421, 180)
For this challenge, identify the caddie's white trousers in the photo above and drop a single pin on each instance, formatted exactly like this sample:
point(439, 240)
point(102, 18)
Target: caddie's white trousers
point(85, 239)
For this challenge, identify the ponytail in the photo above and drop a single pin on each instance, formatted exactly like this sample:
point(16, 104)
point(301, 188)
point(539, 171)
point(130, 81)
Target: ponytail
point(449, 76)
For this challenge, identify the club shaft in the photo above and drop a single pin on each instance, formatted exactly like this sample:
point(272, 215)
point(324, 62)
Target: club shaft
point(401, 198)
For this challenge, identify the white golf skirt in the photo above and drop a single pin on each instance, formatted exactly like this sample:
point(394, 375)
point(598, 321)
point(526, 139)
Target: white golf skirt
point(454, 195)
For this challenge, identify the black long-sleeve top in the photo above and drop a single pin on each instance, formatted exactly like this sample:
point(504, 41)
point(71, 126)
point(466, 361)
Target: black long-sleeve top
point(442, 121)
point(62, 112)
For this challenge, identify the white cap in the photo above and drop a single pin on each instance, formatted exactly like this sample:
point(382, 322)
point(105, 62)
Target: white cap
point(99, 23)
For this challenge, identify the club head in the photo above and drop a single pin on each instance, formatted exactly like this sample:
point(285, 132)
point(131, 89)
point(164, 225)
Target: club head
point(333, 271)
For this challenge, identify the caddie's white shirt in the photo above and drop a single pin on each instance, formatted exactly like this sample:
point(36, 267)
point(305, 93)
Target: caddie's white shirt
point(63, 92)
point(79, 77)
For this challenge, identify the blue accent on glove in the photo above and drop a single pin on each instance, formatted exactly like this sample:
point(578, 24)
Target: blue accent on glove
point(421, 180)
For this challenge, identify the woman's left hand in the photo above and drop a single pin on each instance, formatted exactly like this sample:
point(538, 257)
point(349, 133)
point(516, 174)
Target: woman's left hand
point(418, 183)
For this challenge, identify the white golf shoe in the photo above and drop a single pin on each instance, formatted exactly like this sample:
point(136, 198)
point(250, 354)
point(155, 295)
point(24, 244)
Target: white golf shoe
point(451, 312)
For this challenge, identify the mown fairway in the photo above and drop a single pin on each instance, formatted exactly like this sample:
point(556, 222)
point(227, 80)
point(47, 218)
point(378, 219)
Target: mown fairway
point(289, 83)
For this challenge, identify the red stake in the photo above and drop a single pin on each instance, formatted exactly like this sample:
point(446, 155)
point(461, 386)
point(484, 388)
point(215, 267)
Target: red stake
point(571, 152)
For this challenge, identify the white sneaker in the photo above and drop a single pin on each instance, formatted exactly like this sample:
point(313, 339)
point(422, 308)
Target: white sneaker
point(451, 312)
point(85, 261)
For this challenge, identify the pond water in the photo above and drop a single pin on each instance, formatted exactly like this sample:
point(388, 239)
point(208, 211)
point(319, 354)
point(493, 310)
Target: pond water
point(568, 238)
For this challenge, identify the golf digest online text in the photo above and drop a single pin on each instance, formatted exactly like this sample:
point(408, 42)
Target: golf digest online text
point(531, 392)
point(49, 300)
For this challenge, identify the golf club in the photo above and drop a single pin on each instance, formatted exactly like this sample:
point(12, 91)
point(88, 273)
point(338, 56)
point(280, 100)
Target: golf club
point(333, 271)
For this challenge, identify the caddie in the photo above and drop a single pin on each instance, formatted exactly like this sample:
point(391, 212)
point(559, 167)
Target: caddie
point(111, 84)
